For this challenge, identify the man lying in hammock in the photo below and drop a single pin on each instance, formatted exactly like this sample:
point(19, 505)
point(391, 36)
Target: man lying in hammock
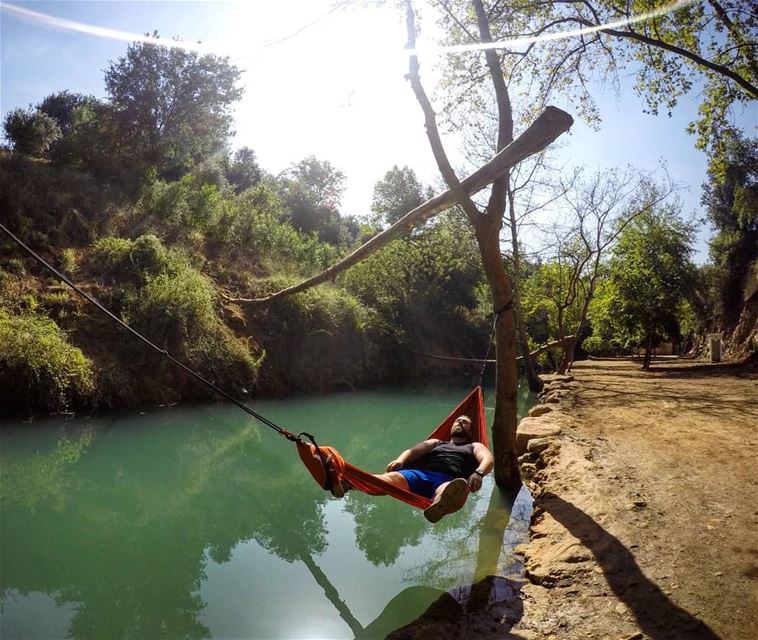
point(444, 472)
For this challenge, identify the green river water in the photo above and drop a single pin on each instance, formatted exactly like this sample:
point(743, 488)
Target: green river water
point(199, 522)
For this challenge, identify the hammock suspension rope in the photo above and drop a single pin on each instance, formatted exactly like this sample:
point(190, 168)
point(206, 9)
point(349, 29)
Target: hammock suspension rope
point(324, 463)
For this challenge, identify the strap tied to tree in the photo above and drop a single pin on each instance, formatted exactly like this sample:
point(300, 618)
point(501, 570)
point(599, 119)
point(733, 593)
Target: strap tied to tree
point(508, 305)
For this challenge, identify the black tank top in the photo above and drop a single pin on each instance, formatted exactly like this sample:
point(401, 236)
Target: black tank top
point(456, 459)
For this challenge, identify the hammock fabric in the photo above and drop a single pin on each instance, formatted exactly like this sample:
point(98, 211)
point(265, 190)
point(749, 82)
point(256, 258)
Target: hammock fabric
point(328, 467)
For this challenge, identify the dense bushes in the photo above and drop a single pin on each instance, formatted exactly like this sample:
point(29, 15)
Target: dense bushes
point(38, 365)
point(161, 295)
point(53, 206)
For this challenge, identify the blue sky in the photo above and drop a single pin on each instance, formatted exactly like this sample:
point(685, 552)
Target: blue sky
point(334, 89)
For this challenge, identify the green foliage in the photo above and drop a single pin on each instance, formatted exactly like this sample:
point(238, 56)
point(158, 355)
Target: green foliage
point(188, 203)
point(67, 264)
point(397, 193)
point(604, 339)
point(38, 365)
point(161, 295)
point(134, 261)
point(548, 300)
point(707, 43)
point(85, 136)
point(731, 199)
point(311, 191)
point(63, 108)
point(252, 223)
point(430, 279)
point(173, 308)
point(30, 132)
point(48, 205)
point(171, 106)
point(650, 277)
point(244, 171)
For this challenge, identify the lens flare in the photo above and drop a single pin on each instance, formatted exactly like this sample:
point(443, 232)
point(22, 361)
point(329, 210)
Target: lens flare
point(115, 34)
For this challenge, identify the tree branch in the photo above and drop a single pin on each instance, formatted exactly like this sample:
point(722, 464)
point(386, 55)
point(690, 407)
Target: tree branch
point(550, 124)
point(693, 57)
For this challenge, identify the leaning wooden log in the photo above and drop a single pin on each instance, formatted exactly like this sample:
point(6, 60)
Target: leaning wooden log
point(550, 124)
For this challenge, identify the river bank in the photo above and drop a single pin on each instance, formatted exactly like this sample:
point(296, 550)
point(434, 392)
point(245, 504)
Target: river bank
point(645, 523)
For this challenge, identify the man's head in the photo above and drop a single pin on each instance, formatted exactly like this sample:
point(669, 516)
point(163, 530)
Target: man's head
point(461, 429)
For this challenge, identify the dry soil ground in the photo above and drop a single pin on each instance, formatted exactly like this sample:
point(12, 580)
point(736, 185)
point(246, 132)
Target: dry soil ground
point(646, 521)
point(646, 513)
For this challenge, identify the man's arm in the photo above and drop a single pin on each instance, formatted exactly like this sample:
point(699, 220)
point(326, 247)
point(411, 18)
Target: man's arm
point(414, 453)
point(485, 463)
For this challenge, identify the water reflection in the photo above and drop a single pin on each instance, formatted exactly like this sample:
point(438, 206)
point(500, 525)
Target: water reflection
point(134, 525)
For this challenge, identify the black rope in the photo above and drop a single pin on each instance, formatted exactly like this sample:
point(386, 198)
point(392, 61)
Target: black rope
point(163, 352)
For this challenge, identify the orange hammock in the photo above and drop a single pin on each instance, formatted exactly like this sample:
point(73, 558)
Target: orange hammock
point(328, 467)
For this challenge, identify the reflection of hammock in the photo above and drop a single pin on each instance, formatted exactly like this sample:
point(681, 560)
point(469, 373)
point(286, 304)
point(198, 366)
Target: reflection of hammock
point(328, 467)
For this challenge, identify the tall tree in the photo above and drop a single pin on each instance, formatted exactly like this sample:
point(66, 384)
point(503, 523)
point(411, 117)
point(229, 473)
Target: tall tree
point(172, 107)
point(311, 193)
point(30, 131)
point(487, 223)
point(243, 170)
point(651, 275)
point(397, 193)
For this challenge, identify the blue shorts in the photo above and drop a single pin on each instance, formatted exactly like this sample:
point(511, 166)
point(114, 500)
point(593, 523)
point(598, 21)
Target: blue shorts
point(424, 483)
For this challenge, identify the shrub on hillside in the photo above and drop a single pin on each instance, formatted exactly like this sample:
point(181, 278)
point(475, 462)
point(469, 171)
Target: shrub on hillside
point(38, 365)
point(162, 296)
point(52, 206)
point(134, 261)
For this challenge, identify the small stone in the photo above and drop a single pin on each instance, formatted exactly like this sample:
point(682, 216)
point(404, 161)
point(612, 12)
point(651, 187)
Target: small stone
point(527, 471)
point(640, 503)
point(718, 574)
point(539, 410)
point(532, 428)
point(538, 445)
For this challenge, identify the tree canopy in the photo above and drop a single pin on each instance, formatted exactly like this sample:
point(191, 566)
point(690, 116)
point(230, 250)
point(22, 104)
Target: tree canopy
point(651, 277)
point(172, 107)
point(397, 193)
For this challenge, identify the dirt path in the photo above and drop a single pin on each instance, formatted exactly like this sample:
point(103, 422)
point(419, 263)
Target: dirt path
point(646, 520)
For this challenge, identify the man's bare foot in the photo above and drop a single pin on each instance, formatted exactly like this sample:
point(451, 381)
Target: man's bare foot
point(452, 498)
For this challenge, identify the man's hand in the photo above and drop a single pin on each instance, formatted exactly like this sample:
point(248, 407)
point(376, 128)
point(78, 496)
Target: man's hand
point(394, 465)
point(474, 482)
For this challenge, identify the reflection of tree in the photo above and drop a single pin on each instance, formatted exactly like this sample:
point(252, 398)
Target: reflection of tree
point(491, 530)
point(373, 516)
point(491, 599)
point(125, 537)
point(45, 477)
point(332, 595)
point(120, 520)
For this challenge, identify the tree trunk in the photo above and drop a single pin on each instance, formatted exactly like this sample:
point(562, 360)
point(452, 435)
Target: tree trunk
point(648, 354)
point(504, 423)
point(568, 346)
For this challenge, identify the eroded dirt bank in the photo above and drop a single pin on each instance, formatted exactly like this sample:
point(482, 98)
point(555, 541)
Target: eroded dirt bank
point(646, 512)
